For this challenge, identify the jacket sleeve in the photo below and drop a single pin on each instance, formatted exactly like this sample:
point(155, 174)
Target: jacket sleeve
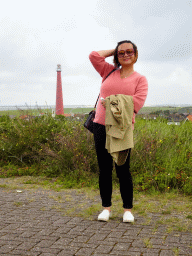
point(99, 63)
point(140, 94)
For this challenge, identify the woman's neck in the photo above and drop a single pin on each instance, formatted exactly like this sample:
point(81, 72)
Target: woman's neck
point(126, 71)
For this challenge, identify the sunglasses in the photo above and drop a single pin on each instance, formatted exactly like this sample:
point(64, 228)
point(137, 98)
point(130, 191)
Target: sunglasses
point(129, 52)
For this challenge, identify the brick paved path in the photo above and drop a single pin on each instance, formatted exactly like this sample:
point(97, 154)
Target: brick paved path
point(32, 225)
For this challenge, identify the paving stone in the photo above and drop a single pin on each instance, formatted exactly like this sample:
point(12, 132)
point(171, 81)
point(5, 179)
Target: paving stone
point(98, 237)
point(116, 234)
point(75, 220)
point(131, 232)
point(4, 242)
point(108, 242)
point(186, 237)
point(146, 230)
point(62, 230)
point(104, 249)
point(156, 241)
point(78, 228)
point(47, 254)
point(10, 227)
point(68, 252)
point(97, 225)
point(7, 248)
point(185, 250)
point(27, 234)
point(167, 253)
point(137, 249)
point(46, 250)
point(26, 239)
point(81, 239)
point(36, 229)
point(8, 237)
point(61, 221)
point(45, 243)
point(84, 245)
point(24, 253)
point(122, 246)
point(110, 226)
point(84, 252)
point(138, 243)
point(151, 252)
point(172, 239)
point(125, 253)
point(99, 254)
point(63, 241)
point(166, 247)
point(26, 246)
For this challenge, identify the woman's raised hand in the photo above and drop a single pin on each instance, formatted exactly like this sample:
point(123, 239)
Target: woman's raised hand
point(106, 53)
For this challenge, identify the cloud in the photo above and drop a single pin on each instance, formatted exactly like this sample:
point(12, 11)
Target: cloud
point(174, 88)
point(161, 29)
point(33, 41)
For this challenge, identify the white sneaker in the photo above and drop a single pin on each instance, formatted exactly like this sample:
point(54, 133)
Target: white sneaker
point(128, 217)
point(104, 215)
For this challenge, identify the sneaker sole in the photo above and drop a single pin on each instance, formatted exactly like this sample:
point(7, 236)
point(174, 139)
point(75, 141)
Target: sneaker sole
point(103, 220)
point(127, 221)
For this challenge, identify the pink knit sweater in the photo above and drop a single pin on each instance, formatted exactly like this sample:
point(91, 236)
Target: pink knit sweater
point(135, 85)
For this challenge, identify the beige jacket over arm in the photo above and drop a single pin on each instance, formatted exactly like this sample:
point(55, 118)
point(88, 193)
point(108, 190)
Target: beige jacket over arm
point(118, 124)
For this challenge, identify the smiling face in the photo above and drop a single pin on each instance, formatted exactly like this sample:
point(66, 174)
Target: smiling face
point(127, 59)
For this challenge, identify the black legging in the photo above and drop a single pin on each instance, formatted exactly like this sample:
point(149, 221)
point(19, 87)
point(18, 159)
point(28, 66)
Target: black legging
point(105, 162)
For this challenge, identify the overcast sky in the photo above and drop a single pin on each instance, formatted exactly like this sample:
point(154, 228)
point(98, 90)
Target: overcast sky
point(35, 36)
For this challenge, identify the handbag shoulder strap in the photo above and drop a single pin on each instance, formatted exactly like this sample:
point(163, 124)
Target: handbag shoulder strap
point(103, 81)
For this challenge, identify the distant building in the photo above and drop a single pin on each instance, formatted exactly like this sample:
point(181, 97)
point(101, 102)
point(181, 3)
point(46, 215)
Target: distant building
point(189, 118)
point(53, 113)
point(67, 115)
point(26, 117)
point(175, 123)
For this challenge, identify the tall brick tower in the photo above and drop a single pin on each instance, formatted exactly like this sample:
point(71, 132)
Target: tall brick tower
point(59, 95)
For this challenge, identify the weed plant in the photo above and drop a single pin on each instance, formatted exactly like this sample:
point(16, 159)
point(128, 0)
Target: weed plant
point(161, 159)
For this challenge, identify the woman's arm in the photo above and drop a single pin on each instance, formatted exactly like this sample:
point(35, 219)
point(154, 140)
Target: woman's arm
point(99, 63)
point(106, 53)
point(140, 94)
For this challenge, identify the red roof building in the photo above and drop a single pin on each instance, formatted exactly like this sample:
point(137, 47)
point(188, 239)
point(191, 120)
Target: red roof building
point(189, 118)
point(67, 115)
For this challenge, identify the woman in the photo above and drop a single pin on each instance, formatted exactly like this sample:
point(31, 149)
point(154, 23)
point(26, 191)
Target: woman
point(124, 80)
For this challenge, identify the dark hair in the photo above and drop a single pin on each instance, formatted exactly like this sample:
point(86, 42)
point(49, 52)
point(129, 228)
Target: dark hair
point(115, 60)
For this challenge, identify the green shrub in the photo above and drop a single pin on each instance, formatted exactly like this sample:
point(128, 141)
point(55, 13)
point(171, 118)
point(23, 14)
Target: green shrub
point(162, 155)
point(56, 146)
point(59, 147)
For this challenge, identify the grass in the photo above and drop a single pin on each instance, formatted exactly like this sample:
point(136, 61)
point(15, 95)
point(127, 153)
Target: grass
point(144, 110)
point(90, 211)
point(176, 251)
point(36, 112)
point(147, 243)
point(18, 203)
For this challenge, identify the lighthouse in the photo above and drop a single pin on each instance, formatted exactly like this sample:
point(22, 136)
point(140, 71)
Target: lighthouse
point(59, 95)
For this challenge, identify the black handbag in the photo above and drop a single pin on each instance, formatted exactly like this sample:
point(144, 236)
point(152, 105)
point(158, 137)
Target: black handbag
point(89, 122)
